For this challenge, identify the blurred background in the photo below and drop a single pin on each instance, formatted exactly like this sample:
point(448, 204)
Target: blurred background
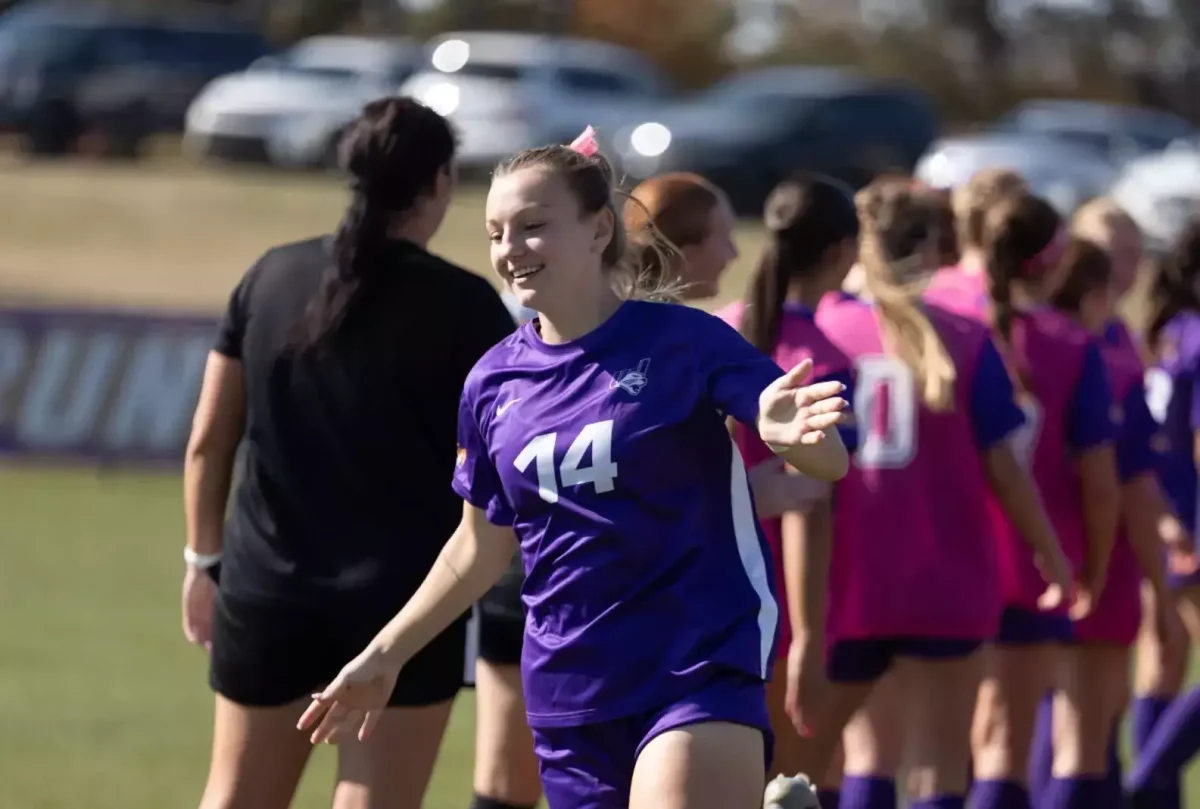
point(150, 152)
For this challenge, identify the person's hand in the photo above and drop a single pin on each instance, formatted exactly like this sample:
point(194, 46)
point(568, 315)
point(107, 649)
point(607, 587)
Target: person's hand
point(779, 489)
point(354, 701)
point(791, 413)
point(199, 598)
point(1061, 588)
point(806, 682)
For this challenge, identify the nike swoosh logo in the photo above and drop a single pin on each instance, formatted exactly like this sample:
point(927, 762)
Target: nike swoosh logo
point(500, 410)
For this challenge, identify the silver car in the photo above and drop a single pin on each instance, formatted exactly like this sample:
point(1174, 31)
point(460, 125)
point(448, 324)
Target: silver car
point(1066, 176)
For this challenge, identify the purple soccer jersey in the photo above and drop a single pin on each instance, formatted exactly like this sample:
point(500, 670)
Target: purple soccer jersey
point(1173, 394)
point(646, 572)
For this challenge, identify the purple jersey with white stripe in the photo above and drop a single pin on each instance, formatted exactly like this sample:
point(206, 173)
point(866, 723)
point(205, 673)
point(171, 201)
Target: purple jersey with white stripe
point(646, 572)
point(1173, 394)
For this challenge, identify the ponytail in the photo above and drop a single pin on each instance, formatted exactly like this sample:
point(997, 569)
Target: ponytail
point(394, 153)
point(805, 216)
point(1022, 243)
point(898, 220)
point(765, 295)
point(358, 246)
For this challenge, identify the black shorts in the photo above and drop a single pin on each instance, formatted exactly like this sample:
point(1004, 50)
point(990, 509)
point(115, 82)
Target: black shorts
point(270, 654)
point(502, 619)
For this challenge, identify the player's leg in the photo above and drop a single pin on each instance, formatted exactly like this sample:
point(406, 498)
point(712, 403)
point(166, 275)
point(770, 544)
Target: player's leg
point(263, 669)
point(506, 769)
point(874, 750)
point(853, 668)
point(1087, 703)
point(257, 756)
point(710, 765)
point(393, 767)
point(788, 758)
point(708, 751)
point(1019, 669)
point(938, 683)
point(1175, 737)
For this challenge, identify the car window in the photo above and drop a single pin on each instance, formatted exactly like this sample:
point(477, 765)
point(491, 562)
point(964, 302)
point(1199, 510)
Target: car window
point(486, 70)
point(587, 80)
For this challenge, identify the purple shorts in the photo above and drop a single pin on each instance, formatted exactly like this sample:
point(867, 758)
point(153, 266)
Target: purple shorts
point(591, 766)
point(1022, 627)
point(866, 660)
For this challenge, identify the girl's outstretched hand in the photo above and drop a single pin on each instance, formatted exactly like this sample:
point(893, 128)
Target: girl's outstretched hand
point(353, 703)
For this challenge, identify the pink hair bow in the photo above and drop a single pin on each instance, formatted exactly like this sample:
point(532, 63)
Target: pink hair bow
point(586, 143)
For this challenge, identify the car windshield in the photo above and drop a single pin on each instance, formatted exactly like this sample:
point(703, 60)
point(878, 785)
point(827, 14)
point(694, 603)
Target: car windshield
point(22, 41)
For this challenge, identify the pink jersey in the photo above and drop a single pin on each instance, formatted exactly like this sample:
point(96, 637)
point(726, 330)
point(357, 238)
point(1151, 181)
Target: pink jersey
point(959, 291)
point(1115, 618)
point(799, 339)
point(1052, 349)
point(912, 555)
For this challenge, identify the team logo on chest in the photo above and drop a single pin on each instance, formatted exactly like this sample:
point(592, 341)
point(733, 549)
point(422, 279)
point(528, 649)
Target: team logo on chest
point(632, 380)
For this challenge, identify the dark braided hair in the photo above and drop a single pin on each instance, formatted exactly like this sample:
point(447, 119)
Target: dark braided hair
point(1174, 288)
point(393, 154)
point(1016, 231)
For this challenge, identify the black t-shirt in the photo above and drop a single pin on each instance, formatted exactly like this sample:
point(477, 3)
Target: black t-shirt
point(344, 488)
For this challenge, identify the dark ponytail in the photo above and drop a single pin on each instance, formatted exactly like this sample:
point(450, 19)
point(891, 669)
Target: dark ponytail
point(1174, 289)
point(1018, 233)
point(805, 216)
point(393, 154)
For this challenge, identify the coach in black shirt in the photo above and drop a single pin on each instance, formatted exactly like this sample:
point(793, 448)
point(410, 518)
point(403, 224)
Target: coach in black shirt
point(340, 363)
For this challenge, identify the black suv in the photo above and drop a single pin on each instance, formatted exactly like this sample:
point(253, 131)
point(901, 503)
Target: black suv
point(68, 70)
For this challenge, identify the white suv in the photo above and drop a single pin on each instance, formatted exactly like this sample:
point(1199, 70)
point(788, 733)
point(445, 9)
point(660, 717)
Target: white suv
point(508, 91)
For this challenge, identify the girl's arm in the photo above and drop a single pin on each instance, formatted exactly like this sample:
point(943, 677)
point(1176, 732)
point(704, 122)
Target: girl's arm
point(1091, 432)
point(1019, 498)
point(807, 546)
point(1144, 509)
point(474, 559)
point(217, 429)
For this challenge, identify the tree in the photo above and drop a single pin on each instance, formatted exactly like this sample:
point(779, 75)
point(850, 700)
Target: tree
point(683, 36)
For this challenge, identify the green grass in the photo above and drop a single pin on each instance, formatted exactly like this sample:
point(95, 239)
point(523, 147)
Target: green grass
point(103, 705)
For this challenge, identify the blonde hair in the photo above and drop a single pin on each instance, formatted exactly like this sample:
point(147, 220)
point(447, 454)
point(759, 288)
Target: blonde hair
point(590, 179)
point(972, 200)
point(1097, 219)
point(898, 220)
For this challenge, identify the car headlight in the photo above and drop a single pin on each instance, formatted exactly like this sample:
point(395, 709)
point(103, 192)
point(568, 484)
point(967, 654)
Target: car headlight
point(443, 98)
point(650, 139)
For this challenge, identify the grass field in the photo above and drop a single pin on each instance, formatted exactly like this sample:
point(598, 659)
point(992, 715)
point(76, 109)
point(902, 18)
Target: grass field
point(102, 704)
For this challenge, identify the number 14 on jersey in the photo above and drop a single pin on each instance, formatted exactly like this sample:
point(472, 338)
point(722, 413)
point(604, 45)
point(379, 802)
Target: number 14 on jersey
point(539, 452)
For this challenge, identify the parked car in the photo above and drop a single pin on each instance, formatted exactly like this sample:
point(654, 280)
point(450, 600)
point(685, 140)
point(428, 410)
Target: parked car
point(1162, 193)
point(1118, 132)
point(508, 91)
point(1063, 174)
point(749, 132)
point(67, 70)
point(304, 96)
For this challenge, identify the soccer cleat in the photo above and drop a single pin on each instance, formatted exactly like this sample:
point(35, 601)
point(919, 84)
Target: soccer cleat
point(796, 792)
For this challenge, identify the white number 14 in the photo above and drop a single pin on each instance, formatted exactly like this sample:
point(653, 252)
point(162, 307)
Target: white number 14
point(597, 436)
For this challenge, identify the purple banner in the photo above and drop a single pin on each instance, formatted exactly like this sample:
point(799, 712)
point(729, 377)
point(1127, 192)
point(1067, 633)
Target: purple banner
point(100, 386)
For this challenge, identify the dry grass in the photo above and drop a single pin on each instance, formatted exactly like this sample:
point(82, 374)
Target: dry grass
point(179, 236)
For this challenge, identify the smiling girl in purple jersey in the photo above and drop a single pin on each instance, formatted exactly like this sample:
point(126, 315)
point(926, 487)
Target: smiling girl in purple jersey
point(1173, 391)
point(596, 436)
point(913, 587)
point(1077, 730)
point(812, 241)
point(1068, 445)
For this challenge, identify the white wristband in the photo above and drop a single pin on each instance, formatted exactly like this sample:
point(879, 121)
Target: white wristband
point(202, 561)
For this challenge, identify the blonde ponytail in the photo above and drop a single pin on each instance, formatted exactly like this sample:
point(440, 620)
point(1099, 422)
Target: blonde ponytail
point(897, 225)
